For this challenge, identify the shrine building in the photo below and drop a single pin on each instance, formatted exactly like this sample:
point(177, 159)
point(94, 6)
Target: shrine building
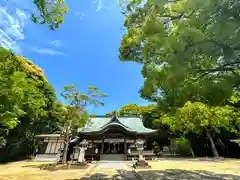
point(108, 138)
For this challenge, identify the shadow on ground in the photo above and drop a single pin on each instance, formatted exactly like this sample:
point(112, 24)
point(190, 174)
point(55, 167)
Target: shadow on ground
point(169, 174)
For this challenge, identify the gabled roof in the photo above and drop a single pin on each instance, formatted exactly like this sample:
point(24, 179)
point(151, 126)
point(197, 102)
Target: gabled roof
point(129, 124)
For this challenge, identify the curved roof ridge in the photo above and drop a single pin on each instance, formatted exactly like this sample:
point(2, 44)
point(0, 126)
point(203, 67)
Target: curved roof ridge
point(115, 119)
point(131, 122)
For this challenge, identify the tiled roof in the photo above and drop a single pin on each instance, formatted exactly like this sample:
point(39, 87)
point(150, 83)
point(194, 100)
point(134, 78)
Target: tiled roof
point(131, 124)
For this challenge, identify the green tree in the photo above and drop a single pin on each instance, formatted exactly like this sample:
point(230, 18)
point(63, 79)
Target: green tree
point(199, 118)
point(50, 12)
point(129, 109)
point(26, 101)
point(189, 49)
point(75, 113)
point(134, 110)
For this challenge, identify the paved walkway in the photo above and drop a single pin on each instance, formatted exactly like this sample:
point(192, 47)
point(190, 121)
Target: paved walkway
point(106, 170)
point(114, 165)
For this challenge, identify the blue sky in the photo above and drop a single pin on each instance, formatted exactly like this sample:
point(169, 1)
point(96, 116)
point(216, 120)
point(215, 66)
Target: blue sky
point(84, 50)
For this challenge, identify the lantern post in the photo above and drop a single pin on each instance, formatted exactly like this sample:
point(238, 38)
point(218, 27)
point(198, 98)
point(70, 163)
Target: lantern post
point(83, 147)
point(141, 163)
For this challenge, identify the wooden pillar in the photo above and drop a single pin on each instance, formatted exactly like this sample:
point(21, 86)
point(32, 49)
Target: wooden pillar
point(102, 146)
point(125, 148)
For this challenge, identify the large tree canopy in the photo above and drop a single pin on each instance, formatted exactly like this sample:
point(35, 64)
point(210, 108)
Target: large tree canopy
point(132, 110)
point(190, 52)
point(190, 49)
point(26, 104)
point(199, 118)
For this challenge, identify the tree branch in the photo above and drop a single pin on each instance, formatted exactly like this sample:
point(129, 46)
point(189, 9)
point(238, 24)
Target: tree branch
point(218, 69)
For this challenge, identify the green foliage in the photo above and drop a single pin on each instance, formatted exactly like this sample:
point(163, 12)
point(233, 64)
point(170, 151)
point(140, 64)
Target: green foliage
point(189, 49)
point(128, 109)
point(74, 115)
point(50, 13)
point(183, 146)
point(200, 119)
point(26, 101)
point(156, 149)
point(190, 53)
point(197, 117)
point(10, 98)
point(150, 116)
point(132, 110)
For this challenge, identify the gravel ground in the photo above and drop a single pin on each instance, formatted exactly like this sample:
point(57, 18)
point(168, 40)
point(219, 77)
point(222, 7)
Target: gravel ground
point(164, 169)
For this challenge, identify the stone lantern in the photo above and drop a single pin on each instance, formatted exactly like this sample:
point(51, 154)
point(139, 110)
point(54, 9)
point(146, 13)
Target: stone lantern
point(82, 148)
point(141, 163)
point(140, 148)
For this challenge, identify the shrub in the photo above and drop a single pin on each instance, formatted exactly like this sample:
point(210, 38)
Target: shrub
point(183, 147)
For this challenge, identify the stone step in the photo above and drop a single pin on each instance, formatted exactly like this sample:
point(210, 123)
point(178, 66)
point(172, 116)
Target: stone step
point(112, 157)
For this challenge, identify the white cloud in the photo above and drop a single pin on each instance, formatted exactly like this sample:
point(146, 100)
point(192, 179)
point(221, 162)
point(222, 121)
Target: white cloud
point(104, 4)
point(99, 5)
point(55, 43)
point(11, 28)
point(48, 51)
point(79, 15)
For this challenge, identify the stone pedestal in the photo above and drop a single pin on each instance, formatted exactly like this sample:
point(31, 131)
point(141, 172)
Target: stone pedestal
point(141, 164)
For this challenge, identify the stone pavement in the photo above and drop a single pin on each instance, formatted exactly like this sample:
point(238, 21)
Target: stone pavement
point(115, 165)
point(111, 170)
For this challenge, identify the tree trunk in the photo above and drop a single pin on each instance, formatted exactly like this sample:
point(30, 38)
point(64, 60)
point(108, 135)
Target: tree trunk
point(67, 140)
point(213, 147)
point(64, 160)
point(192, 152)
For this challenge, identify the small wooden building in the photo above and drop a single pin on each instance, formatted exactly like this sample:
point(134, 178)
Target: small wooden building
point(48, 146)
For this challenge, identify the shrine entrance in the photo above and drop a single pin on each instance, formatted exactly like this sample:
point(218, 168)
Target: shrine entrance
point(113, 150)
point(113, 146)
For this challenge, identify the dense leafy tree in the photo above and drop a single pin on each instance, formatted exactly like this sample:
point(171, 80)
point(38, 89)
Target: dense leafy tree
point(199, 118)
point(131, 110)
point(190, 49)
point(26, 102)
point(149, 117)
point(74, 115)
point(134, 110)
point(10, 96)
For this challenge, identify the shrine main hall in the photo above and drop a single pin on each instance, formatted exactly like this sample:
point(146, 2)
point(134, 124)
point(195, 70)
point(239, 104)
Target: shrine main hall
point(107, 138)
